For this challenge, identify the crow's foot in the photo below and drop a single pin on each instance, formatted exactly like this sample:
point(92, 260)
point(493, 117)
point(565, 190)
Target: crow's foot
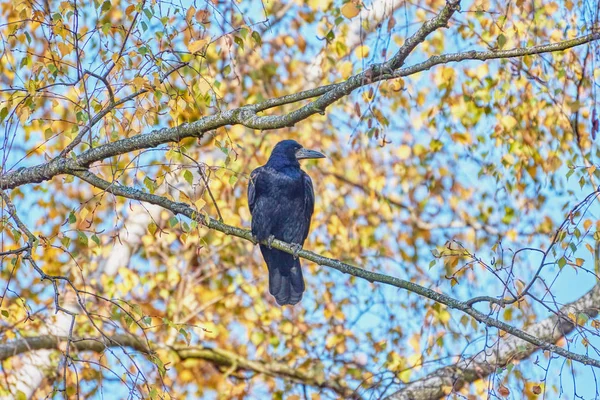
point(296, 247)
point(270, 241)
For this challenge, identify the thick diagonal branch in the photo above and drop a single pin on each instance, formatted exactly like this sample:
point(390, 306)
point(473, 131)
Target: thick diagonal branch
point(431, 387)
point(186, 210)
point(248, 115)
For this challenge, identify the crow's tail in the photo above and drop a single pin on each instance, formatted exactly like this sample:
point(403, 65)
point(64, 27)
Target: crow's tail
point(286, 283)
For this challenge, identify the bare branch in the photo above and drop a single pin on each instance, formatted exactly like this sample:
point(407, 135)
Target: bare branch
point(493, 55)
point(106, 83)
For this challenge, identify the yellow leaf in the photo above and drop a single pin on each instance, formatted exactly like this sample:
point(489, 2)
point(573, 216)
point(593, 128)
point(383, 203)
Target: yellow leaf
point(404, 376)
point(288, 40)
point(462, 138)
point(199, 204)
point(592, 169)
point(129, 10)
point(396, 85)
point(414, 342)
point(520, 286)
point(349, 10)
point(404, 152)
point(64, 48)
point(508, 122)
point(345, 69)
point(197, 45)
point(190, 13)
point(444, 317)
point(138, 82)
point(362, 52)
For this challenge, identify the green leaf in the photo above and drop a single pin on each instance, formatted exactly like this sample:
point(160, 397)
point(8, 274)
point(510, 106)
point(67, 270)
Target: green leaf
point(5, 313)
point(571, 171)
point(173, 221)
point(72, 218)
point(66, 241)
point(239, 41)
point(150, 184)
point(82, 238)
point(188, 176)
point(137, 309)
point(330, 36)
point(3, 113)
point(501, 41)
point(257, 38)
point(186, 335)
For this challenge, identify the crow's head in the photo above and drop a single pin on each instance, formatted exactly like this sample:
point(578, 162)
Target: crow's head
point(289, 152)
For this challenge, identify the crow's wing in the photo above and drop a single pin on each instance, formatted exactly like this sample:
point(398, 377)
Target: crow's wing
point(254, 177)
point(309, 203)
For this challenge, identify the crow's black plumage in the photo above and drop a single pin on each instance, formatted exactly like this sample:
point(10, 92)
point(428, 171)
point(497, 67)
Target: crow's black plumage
point(281, 201)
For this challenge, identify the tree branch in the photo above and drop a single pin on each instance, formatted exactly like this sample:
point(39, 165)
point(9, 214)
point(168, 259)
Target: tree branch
point(492, 55)
point(485, 363)
point(219, 357)
point(186, 210)
point(247, 115)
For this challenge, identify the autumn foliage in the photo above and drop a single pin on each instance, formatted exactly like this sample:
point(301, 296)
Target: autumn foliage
point(459, 198)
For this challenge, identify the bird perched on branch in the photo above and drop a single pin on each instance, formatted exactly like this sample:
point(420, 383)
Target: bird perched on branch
point(281, 201)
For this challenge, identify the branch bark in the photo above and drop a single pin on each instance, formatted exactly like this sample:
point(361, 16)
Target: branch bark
point(186, 210)
point(454, 377)
point(218, 357)
point(247, 115)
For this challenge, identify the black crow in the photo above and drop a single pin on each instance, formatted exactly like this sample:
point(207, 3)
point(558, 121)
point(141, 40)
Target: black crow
point(281, 201)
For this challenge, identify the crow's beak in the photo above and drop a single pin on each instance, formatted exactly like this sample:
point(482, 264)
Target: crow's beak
point(305, 153)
